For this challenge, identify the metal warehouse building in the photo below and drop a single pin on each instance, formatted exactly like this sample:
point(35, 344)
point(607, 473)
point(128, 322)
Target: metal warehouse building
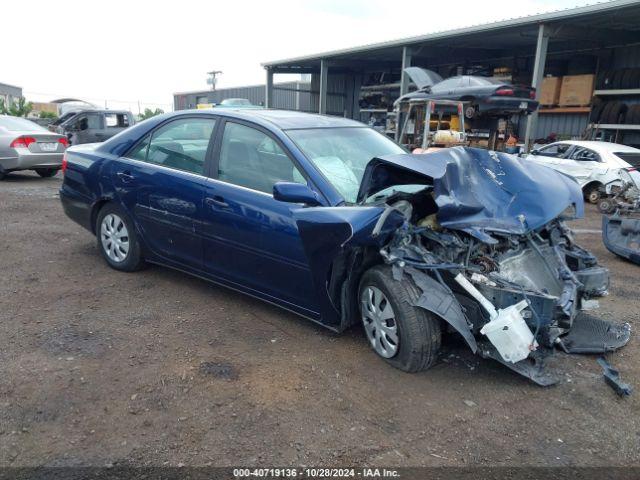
point(601, 40)
point(288, 96)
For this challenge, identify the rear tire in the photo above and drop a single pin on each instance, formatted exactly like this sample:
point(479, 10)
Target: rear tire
point(117, 239)
point(417, 331)
point(47, 172)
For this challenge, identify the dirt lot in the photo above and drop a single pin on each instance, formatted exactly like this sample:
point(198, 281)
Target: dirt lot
point(158, 368)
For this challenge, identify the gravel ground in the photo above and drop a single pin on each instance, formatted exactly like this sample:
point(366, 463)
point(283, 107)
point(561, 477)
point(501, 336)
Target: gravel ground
point(99, 367)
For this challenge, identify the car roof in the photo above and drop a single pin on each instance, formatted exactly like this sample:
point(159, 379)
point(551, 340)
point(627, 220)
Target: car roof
point(282, 119)
point(604, 147)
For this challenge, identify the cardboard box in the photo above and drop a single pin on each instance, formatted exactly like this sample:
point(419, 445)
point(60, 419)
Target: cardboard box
point(576, 90)
point(550, 90)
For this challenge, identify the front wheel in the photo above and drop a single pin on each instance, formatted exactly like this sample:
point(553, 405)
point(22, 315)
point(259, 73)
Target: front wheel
point(46, 172)
point(117, 239)
point(593, 195)
point(405, 336)
point(470, 112)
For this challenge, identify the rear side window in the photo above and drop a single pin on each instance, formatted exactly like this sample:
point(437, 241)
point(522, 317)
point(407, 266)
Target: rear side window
point(252, 159)
point(116, 120)
point(181, 144)
point(629, 157)
point(582, 154)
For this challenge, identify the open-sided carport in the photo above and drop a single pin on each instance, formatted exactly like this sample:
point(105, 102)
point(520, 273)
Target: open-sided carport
point(585, 39)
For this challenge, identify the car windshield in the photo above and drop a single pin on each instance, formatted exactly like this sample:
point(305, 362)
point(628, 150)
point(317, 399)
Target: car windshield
point(15, 124)
point(341, 154)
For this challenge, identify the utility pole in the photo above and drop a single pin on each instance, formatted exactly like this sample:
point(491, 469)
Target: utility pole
point(212, 79)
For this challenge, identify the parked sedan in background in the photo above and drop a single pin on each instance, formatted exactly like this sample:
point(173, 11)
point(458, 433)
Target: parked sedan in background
point(482, 95)
point(598, 167)
point(25, 145)
point(327, 218)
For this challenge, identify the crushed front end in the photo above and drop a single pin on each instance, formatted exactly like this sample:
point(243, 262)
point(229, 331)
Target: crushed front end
point(491, 233)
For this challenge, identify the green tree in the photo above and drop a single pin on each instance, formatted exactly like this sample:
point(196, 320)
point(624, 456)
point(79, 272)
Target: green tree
point(21, 108)
point(48, 115)
point(148, 113)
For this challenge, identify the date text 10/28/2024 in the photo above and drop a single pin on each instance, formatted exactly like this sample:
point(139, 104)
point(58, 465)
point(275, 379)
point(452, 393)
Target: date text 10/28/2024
point(309, 472)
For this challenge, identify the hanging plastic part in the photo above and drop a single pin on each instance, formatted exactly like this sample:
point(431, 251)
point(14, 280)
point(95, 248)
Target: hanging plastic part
point(507, 329)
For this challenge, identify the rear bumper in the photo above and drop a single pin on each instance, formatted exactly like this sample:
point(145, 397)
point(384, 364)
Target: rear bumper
point(31, 160)
point(77, 208)
point(499, 104)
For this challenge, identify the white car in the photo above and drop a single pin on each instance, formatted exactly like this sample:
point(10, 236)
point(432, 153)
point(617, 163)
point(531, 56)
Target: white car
point(597, 166)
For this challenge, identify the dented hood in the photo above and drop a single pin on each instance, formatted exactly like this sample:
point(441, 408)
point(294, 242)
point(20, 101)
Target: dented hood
point(479, 191)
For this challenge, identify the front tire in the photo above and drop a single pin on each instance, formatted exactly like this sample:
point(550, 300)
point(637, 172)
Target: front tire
point(47, 172)
point(117, 239)
point(405, 336)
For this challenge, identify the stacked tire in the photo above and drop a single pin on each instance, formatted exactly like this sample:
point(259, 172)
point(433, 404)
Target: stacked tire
point(614, 112)
point(624, 78)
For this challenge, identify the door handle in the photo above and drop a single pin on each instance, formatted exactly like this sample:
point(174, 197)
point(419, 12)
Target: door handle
point(125, 176)
point(216, 201)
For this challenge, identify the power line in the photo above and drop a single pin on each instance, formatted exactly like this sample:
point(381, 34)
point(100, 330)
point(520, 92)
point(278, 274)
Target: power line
point(57, 95)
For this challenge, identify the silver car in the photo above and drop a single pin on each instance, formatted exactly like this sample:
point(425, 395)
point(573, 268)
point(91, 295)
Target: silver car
point(25, 145)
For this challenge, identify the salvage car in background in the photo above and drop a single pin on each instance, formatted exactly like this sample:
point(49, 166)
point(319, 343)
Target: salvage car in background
point(331, 220)
point(90, 126)
point(599, 167)
point(482, 95)
point(25, 145)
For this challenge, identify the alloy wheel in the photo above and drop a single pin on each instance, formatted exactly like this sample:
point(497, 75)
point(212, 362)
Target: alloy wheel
point(379, 322)
point(114, 237)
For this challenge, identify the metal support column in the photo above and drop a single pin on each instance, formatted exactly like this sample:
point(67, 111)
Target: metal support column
point(536, 81)
point(404, 78)
point(268, 93)
point(324, 74)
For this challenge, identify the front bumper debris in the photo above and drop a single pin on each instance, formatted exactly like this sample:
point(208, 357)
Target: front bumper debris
point(621, 236)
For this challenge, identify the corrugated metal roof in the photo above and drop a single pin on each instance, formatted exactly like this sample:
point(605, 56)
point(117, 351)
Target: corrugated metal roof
point(556, 15)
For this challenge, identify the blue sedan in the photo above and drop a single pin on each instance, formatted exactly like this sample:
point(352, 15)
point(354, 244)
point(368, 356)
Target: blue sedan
point(327, 218)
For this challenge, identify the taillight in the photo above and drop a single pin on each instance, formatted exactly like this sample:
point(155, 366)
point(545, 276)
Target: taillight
point(64, 162)
point(64, 141)
point(505, 91)
point(22, 142)
point(532, 94)
point(632, 169)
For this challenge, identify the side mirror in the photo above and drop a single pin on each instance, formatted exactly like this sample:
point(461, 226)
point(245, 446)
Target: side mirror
point(295, 193)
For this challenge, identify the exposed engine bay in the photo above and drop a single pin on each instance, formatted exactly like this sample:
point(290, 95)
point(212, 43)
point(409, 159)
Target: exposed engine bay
point(556, 279)
point(483, 236)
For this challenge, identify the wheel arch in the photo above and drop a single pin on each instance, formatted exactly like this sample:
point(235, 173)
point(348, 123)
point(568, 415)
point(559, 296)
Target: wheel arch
point(434, 298)
point(95, 210)
point(589, 186)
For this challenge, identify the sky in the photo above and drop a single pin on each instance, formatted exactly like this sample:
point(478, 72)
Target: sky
point(128, 53)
